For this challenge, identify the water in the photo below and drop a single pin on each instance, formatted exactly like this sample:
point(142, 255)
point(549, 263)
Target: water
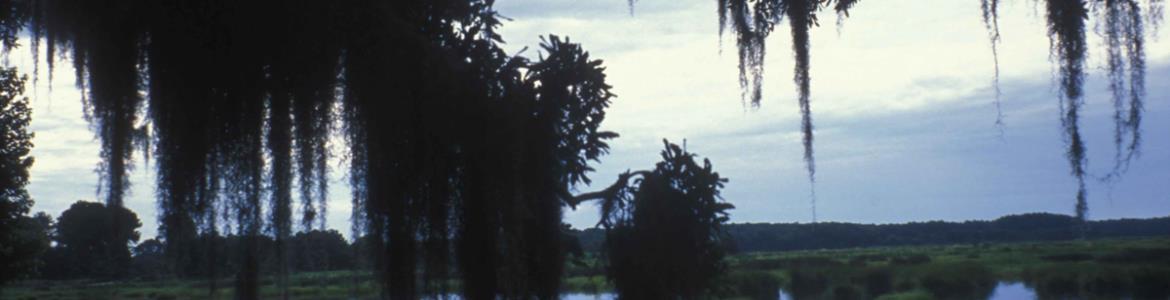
point(1013, 290)
point(582, 296)
point(1003, 291)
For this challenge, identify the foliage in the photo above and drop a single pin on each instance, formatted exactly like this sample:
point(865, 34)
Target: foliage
point(15, 144)
point(964, 280)
point(971, 271)
point(317, 250)
point(86, 245)
point(457, 150)
point(23, 246)
point(1135, 268)
point(664, 235)
point(149, 261)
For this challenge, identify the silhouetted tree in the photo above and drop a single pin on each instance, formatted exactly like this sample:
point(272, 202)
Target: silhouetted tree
point(318, 250)
point(15, 144)
point(92, 250)
point(664, 234)
point(24, 247)
point(458, 150)
point(149, 261)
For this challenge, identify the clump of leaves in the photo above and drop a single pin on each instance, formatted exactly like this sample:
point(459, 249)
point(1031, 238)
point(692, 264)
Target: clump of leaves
point(664, 232)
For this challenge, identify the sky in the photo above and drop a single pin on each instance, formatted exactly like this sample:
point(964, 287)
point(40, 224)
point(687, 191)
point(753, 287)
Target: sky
point(902, 101)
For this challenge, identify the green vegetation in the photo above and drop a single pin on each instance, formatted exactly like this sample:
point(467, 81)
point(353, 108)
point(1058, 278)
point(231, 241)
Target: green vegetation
point(1138, 268)
point(19, 242)
point(317, 285)
point(1088, 269)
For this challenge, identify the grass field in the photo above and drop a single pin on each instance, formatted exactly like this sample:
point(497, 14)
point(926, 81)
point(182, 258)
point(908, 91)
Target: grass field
point(1120, 268)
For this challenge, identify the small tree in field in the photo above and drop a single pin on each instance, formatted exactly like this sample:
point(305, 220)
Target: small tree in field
point(664, 233)
point(90, 248)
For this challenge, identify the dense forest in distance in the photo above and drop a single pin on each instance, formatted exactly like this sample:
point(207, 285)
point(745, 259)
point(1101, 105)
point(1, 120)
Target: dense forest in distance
point(768, 237)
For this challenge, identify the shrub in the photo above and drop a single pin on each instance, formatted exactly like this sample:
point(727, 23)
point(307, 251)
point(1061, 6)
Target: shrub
point(877, 281)
point(807, 285)
point(846, 292)
point(754, 284)
point(1067, 257)
point(963, 280)
point(1151, 284)
point(914, 259)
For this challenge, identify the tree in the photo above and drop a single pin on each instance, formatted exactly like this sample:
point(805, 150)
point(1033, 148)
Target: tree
point(149, 260)
point(433, 109)
point(90, 248)
point(28, 241)
point(664, 235)
point(318, 250)
point(15, 144)
point(458, 150)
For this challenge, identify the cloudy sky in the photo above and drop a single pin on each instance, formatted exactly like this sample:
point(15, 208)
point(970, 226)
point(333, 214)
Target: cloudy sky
point(902, 103)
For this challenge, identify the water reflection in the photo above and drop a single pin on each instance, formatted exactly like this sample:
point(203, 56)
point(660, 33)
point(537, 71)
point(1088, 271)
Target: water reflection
point(1002, 291)
point(1012, 290)
point(582, 296)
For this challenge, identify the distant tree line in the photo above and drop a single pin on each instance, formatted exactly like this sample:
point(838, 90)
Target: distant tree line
point(760, 237)
point(82, 247)
point(310, 251)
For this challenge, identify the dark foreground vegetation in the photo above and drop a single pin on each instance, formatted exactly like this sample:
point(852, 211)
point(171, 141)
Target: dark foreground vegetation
point(1102, 269)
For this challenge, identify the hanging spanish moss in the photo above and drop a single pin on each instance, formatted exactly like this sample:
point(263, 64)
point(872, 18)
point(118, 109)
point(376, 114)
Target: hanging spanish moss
point(749, 38)
point(106, 56)
point(842, 8)
point(1123, 25)
point(1154, 11)
point(12, 20)
point(1123, 30)
point(991, 21)
point(752, 22)
point(801, 17)
point(1066, 32)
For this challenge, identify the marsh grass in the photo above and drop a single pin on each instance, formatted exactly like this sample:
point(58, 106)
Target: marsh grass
point(1137, 268)
point(1118, 268)
point(319, 285)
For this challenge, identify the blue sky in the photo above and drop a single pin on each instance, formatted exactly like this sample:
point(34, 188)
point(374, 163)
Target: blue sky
point(902, 103)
